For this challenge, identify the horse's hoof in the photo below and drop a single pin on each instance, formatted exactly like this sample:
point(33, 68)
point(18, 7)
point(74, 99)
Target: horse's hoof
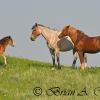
point(53, 68)
point(88, 66)
point(59, 68)
point(5, 64)
point(73, 67)
point(82, 68)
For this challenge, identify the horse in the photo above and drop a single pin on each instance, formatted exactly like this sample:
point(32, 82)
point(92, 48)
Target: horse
point(4, 42)
point(54, 44)
point(82, 42)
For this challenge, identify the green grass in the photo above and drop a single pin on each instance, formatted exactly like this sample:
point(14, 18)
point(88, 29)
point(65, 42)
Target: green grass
point(21, 76)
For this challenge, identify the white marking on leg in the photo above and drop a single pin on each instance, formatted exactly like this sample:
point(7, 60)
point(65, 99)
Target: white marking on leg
point(82, 66)
point(5, 60)
point(75, 56)
point(86, 65)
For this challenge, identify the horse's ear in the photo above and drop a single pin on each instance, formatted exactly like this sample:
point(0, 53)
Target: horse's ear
point(36, 24)
point(68, 26)
point(9, 36)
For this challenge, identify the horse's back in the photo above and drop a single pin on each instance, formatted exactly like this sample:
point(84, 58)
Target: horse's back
point(93, 40)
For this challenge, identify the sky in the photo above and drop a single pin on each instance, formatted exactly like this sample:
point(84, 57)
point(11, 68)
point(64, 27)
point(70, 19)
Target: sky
point(18, 16)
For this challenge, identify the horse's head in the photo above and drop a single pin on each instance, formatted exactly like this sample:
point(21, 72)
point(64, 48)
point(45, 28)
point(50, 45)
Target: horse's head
point(35, 32)
point(64, 32)
point(73, 33)
point(10, 41)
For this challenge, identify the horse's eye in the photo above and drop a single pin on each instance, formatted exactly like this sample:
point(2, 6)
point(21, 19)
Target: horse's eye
point(68, 33)
point(34, 30)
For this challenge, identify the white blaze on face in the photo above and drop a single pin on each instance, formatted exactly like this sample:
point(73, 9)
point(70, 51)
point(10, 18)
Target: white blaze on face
point(70, 39)
point(14, 43)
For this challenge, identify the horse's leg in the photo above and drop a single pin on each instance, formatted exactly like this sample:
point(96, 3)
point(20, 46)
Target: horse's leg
point(53, 56)
point(81, 56)
point(75, 55)
point(85, 60)
point(57, 52)
point(5, 60)
point(58, 61)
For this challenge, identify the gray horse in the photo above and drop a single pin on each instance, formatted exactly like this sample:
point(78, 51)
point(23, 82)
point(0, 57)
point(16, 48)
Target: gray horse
point(54, 44)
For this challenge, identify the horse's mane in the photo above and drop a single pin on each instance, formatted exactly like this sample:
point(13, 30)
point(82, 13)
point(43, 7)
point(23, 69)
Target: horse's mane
point(44, 26)
point(3, 40)
point(48, 27)
point(81, 33)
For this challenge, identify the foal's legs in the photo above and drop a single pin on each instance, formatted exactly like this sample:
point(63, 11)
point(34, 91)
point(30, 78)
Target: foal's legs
point(81, 56)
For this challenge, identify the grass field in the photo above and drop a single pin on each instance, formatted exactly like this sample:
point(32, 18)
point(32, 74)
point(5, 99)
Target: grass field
point(19, 78)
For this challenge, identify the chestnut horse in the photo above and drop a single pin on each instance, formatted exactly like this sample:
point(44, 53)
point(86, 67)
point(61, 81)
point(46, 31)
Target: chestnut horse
point(54, 44)
point(82, 42)
point(3, 44)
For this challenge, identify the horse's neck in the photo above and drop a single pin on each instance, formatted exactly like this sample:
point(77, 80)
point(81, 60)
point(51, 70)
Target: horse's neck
point(58, 32)
point(47, 33)
point(4, 43)
point(74, 35)
point(77, 35)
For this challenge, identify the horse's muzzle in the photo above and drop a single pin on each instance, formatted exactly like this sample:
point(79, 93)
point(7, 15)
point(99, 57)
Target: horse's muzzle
point(32, 39)
point(13, 44)
point(59, 37)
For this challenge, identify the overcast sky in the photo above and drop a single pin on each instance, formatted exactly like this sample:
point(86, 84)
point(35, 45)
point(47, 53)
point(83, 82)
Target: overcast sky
point(20, 15)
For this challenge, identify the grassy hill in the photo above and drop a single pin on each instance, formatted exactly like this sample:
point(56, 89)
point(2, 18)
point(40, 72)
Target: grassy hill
point(19, 78)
